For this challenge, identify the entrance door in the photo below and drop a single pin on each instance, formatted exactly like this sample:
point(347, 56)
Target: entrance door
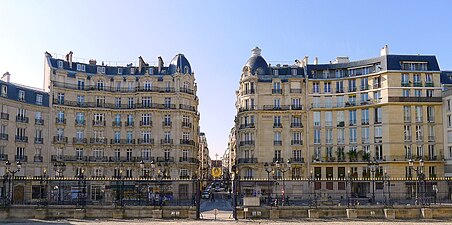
point(18, 197)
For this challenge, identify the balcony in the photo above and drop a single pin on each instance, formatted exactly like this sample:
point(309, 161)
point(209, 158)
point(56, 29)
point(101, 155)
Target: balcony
point(99, 123)
point(351, 89)
point(297, 160)
point(276, 107)
point(168, 106)
point(277, 143)
point(247, 143)
point(77, 140)
point(429, 84)
point(146, 141)
point(129, 123)
point(165, 159)
point(378, 139)
point(39, 140)
point(417, 84)
point(187, 125)
point(364, 122)
point(296, 107)
point(23, 139)
point(98, 158)
point(364, 87)
point(21, 119)
point(38, 158)
point(60, 121)
point(3, 157)
point(407, 138)
point(21, 158)
point(3, 136)
point(59, 140)
point(116, 123)
point(277, 125)
point(187, 91)
point(247, 160)
point(296, 125)
point(188, 160)
point(278, 159)
point(166, 123)
point(39, 121)
point(296, 142)
point(187, 142)
point(68, 158)
point(431, 138)
point(187, 107)
point(145, 123)
point(98, 141)
point(276, 91)
point(341, 124)
point(405, 84)
point(79, 122)
point(166, 141)
point(4, 116)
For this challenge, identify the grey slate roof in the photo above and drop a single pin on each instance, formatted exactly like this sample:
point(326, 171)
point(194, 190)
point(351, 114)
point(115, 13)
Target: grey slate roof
point(30, 94)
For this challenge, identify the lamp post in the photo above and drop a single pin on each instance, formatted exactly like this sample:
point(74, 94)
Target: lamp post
point(153, 178)
point(348, 179)
point(234, 191)
point(59, 168)
point(43, 188)
point(388, 185)
point(283, 168)
point(372, 165)
point(310, 182)
point(268, 169)
point(10, 174)
point(435, 192)
point(419, 175)
point(81, 184)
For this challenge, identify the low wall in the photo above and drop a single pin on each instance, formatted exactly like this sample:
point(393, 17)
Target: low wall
point(97, 212)
point(360, 212)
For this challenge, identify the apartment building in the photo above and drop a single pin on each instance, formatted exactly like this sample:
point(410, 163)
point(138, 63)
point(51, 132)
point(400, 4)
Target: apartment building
point(331, 121)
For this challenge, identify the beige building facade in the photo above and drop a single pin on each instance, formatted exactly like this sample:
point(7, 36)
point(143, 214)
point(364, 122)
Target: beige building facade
point(362, 120)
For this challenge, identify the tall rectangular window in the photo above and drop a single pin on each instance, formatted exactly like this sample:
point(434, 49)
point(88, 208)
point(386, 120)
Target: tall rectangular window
point(317, 119)
point(407, 114)
point(418, 112)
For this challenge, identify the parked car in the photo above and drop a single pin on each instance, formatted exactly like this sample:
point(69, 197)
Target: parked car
point(205, 195)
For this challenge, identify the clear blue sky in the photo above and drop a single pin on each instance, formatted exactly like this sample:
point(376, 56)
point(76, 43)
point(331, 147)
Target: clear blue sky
point(216, 37)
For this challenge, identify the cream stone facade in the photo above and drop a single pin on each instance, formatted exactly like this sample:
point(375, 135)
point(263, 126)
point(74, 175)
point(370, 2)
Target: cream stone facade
point(332, 121)
point(106, 120)
point(24, 136)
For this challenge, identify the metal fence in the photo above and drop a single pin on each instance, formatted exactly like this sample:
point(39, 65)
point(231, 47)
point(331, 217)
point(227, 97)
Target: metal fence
point(349, 193)
point(98, 191)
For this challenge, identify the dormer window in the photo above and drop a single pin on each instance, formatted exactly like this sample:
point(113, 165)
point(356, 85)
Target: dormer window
point(151, 70)
point(38, 99)
point(21, 95)
point(101, 69)
point(132, 70)
point(83, 67)
point(4, 91)
point(294, 72)
point(119, 70)
point(276, 72)
point(186, 69)
point(60, 64)
point(79, 67)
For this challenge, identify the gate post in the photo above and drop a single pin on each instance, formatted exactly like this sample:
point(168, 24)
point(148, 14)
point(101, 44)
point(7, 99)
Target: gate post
point(198, 197)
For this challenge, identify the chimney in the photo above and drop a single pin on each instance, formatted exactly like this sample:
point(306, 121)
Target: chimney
point(305, 61)
point(6, 76)
point(141, 63)
point(256, 51)
point(341, 59)
point(92, 62)
point(384, 50)
point(69, 59)
point(160, 64)
point(316, 60)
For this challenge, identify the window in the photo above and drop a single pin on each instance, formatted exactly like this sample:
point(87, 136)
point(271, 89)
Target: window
point(377, 134)
point(21, 95)
point(406, 92)
point(276, 103)
point(429, 93)
point(317, 136)
point(277, 121)
point(296, 154)
point(60, 64)
point(407, 132)
point(365, 116)
point(276, 72)
point(339, 87)
point(430, 114)
point(351, 85)
point(329, 136)
point(315, 87)
point(407, 114)
point(417, 93)
point(365, 135)
point(276, 88)
point(4, 90)
point(38, 99)
point(418, 112)
point(340, 118)
point(316, 102)
point(147, 85)
point(340, 135)
point(130, 104)
point(120, 70)
point(379, 152)
point(328, 118)
point(405, 80)
point(364, 98)
point(80, 84)
point(132, 70)
point(100, 85)
point(352, 117)
point(317, 119)
point(328, 102)
point(167, 102)
point(146, 119)
point(378, 115)
point(294, 72)
point(146, 102)
point(327, 87)
point(353, 135)
point(419, 133)
point(364, 84)
point(100, 69)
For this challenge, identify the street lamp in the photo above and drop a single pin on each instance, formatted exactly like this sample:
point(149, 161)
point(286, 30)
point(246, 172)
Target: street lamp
point(372, 165)
point(283, 168)
point(310, 182)
point(388, 184)
point(10, 173)
point(419, 175)
point(43, 188)
point(349, 179)
point(81, 184)
point(59, 168)
point(235, 190)
point(268, 169)
point(142, 169)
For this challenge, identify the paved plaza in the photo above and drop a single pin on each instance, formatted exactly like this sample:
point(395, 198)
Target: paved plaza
point(221, 222)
